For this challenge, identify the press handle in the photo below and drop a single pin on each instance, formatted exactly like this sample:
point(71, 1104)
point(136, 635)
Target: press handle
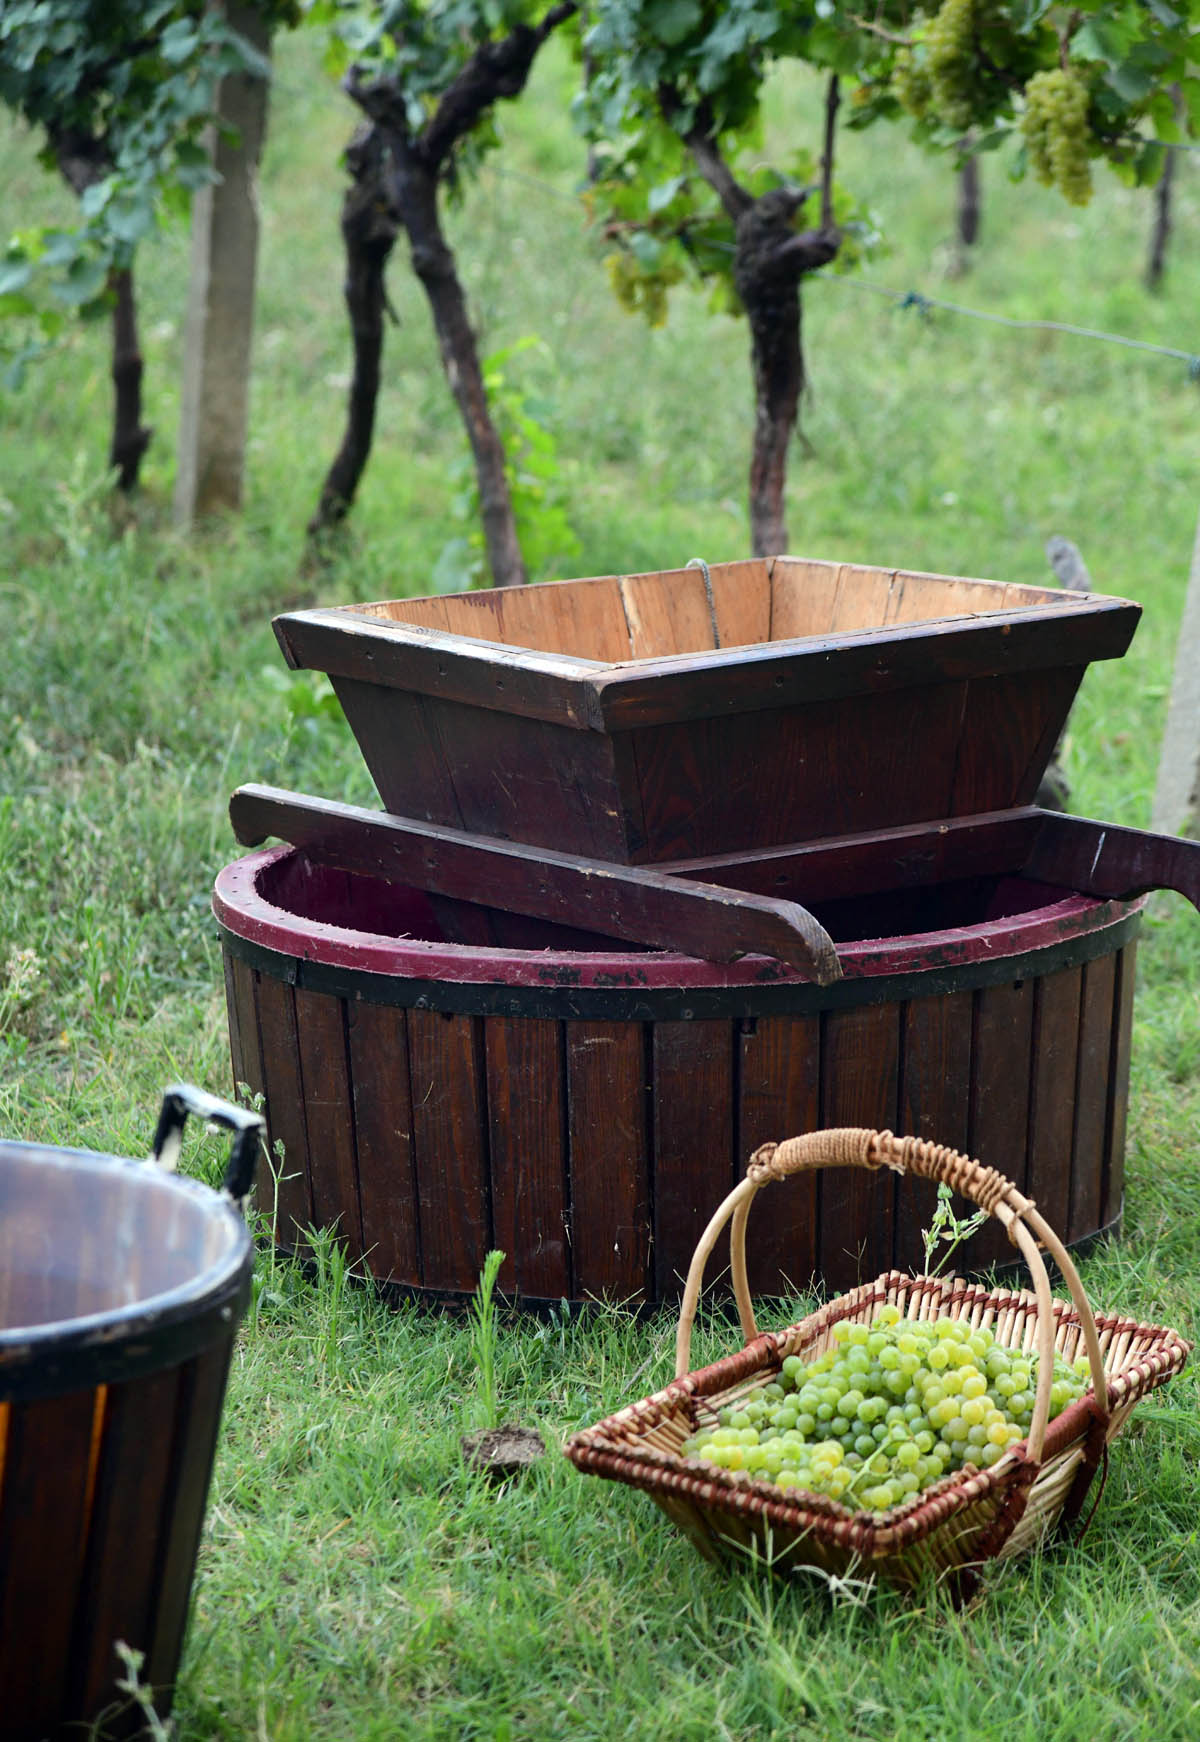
point(852, 1147)
point(182, 1099)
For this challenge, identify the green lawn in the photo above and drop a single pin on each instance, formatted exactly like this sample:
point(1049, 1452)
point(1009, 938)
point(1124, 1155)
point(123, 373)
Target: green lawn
point(355, 1580)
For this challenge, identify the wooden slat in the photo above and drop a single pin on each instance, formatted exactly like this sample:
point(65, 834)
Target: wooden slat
point(1009, 728)
point(935, 1086)
point(197, 1425)
point(1052, 1110)
point(283, 1087)
point(742, 597)
point(429, 613)
point(607, 1100)
point(43, 1522)
point(693, 1145)
point(779, 1097)
point(244, 1046)
point(1118, 1102)
point(860, 1062)
point(132, 1487)
point(1001, 1071)
point(527, 1134)
point(449, 1148)
point(1091, 1096)
point(377, 1038)
point(761, 779)
point(333, 1179)
point(862, 600)
point(803, 595)
point(667, 613)
point(921, 597)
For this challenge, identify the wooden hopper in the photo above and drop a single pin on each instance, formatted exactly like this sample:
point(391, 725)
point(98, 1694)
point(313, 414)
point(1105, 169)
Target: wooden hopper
point(640, 719)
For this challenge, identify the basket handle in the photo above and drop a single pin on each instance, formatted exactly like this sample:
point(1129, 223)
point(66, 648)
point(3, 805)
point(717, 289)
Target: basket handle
point(181, 1099)
point(850, 1147)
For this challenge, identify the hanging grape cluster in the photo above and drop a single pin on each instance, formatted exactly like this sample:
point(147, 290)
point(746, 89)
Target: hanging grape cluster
point(951, 60)
point(887, 1411)
point(1055, 126)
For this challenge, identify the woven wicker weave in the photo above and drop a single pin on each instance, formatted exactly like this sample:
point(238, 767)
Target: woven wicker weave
point(967, 1518)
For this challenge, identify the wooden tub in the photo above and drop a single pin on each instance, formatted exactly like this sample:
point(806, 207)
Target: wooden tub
point(586, 1109)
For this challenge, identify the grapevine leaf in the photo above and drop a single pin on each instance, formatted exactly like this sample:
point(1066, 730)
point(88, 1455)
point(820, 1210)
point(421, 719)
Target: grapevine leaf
point(661, 196)
point(673, 20)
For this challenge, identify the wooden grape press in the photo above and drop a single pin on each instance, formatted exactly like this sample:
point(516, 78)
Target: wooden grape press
point(669, 865)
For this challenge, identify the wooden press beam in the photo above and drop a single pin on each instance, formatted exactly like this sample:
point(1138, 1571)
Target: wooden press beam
point(622, 901)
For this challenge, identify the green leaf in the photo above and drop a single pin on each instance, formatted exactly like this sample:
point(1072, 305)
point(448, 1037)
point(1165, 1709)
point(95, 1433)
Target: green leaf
point(1130, 83)
point(661, 196)
point(647, 250)
point(673, 20)
point(14, 275)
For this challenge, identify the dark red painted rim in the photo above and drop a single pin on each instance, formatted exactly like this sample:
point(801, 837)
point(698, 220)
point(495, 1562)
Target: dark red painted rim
point(246, 914)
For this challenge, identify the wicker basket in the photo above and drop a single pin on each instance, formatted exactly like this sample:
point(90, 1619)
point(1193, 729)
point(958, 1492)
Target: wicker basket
point(967, 1518)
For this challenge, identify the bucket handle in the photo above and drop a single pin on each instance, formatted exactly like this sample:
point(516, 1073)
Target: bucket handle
point(178, 1101)
point(854, 1147)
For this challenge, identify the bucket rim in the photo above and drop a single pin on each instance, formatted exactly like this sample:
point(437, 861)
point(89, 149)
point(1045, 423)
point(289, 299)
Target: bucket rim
point(155, 1331)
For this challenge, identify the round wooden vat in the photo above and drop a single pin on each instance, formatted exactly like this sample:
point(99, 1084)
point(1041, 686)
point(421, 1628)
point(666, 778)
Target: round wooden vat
point(585, 1110)
point(120, 1292)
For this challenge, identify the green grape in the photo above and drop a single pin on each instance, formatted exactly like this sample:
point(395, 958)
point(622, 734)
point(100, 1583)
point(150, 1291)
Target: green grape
point(835, 1426)
point(910, 82)
point(950, 53)
point(1057, 136)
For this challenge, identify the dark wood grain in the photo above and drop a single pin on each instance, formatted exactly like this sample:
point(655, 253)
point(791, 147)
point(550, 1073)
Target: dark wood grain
point(1053, 1085)
point(1010, 725)
point(244, 1045)
point(1118, 1104)
point(43, 1526)
point(779, 1097)
point(693, 1145)
point(333, 1175)
point(124, 1543)
point(1001, 1070)
point(283, 1087)
point(377, 1038)
point(1096, 1015)
point(526, 1141)
point(935, 1092)
point(608, 1099)
point(617, 900)
point(860, 1066)
point(195, 1428)
point(449, 1147)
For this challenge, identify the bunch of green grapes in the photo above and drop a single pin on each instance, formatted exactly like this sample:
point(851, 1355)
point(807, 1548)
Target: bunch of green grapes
point(951, 61)
point(639, 291)
point(1056, 132)
point(886, 1412)
point(910, 82)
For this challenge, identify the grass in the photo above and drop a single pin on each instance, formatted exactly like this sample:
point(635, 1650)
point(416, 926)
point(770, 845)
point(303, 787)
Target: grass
point(356, 1580)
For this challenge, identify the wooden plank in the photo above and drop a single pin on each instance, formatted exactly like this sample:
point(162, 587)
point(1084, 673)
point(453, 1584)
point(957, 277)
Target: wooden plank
point(803, 595)
point(742, 599)
point(1010, 726)
point(429, 613)
point(1118, 1099)
point(935, 1092)
point(43, 1527)
point(1001, 1072)
point(527, 1151)
point(863, 595)
point(333, 1179)
point(1052, 1109)
point(405, 656)
point(449, 1148)
point(860, 1066)
point(667, 613)
point(779, 1097)
point(377, 1038)
point(1091, 1096)
point(608, 1100)
point(131, 1499)
point(629, 902)
point(866, 662)
point(244, 1045)
point(283, 1087)
point(197, 1426)
point(693, 1146)
point(757, 780)
point(583, 618)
